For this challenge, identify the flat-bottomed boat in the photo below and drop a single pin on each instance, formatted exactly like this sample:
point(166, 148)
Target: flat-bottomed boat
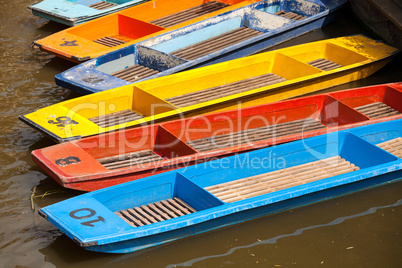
point(208, 196)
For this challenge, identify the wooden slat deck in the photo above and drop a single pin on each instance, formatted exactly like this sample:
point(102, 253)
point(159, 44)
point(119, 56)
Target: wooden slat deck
point(376, 110)
point(225, 90)
point(135, 72)
point(216, 43)
point(130, 159)
point(102, 5)
point(156, 212)
point(281, 179)
point(116, 118)
point(324, 64)
point(189, 14)
point(109, 41)
point(290, 15)
point(255, 134)
point(393, 146)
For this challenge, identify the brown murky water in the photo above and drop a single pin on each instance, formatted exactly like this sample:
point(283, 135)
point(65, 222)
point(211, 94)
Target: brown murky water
point(360, 230)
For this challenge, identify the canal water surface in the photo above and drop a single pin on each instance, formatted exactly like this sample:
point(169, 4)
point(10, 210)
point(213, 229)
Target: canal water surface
point(359, 230)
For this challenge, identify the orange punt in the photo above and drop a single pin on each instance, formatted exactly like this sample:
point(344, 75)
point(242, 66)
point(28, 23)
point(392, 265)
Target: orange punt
point(95, 38)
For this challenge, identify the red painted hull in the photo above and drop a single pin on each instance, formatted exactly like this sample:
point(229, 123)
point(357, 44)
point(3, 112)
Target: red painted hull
point(75, 164)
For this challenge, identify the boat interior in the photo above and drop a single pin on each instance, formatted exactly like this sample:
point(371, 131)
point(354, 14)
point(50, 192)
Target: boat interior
point(143, 147)
point(205, 38)
point(245, 77)
point(272, 170)
point(145, 19)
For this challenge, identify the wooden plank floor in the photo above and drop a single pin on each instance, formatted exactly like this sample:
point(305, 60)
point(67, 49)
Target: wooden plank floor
point(225, 90)
point(393, 146)
point(116, 118)
point(281, 179)
point(255, 134)
point(376, 110)
point(188, 14)
point(102, 5)
point(324, 64)
point(134, 73)
point(156, 212)
point(109, 41)
point(290, 15)
point(130, 159)
point(216, 43)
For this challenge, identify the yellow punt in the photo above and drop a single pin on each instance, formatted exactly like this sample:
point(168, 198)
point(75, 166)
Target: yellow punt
point(249, 81)
point(132, 25)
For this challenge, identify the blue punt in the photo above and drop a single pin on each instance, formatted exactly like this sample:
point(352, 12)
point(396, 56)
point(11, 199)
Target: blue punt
point(196, 199)
point(234, 34)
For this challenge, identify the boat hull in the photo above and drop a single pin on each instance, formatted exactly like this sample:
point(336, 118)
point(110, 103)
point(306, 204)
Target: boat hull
point(244, 216)
point(231, 190)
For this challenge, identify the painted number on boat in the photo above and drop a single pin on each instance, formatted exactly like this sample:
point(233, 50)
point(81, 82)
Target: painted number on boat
point(67, 161)
point(69, 43)
point(86, 213)
point(92, 79)
point(62, 121)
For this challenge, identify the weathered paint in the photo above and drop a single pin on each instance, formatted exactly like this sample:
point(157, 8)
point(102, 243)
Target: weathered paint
point(359, 56)
point(274, 29)
point(334, 110)
point(89, 219)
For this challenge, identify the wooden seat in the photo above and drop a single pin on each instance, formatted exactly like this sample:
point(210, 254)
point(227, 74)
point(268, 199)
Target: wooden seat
point(216, 43)
point(188, 14)
point(376, 110)
point(281, 179)
point(290, 15)
point(324, 64)
point(225, 90)
point(255, 134)
point(109, 41)
point(155, 212)
point(393, 146)
point(102, 5)
point(134, 73)
point(130, 159)
point(116, 118)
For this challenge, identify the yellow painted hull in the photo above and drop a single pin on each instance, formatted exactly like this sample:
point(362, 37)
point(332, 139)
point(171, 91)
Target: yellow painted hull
point(357, 57)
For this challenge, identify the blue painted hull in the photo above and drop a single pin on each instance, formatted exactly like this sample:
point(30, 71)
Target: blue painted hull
point(155, 53)
point(74, 12)
point(152, 241)
point(89, 219)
